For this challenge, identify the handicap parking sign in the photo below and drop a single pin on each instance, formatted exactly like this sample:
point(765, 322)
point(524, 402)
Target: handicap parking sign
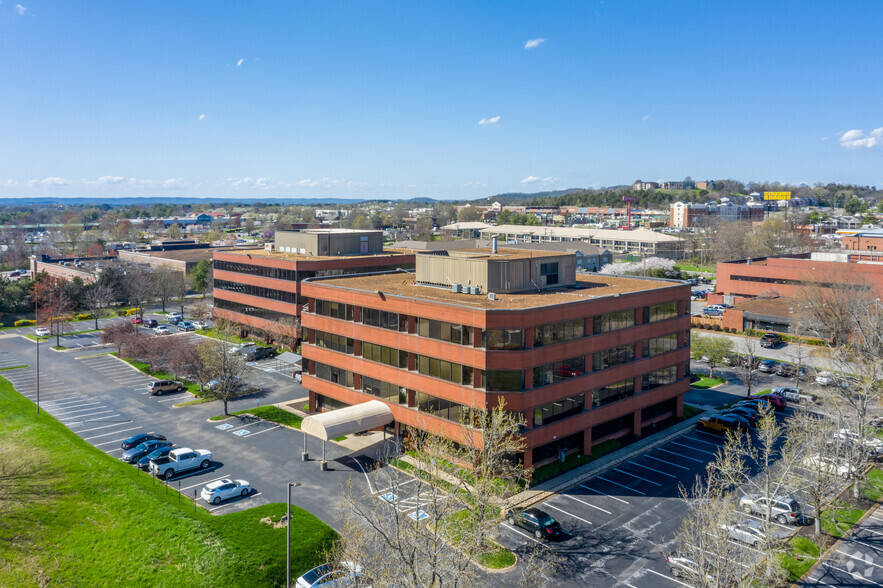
point(419, 515)
point(224, 427)
point(240, 432)
point(389, 497)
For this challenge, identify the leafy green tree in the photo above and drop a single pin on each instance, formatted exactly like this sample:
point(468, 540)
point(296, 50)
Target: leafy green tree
point(710, 349)
point(201, 275)
point(469, 214)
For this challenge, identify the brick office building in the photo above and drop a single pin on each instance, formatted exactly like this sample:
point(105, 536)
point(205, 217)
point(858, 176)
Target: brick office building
point(585, 358)
point(260, 289)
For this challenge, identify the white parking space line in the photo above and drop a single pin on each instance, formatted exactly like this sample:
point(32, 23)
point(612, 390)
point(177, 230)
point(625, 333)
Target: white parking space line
point(701, 441)
point(634, 463)
point(396, 486)
point(105, 426)
point(202, 483)
point(112, 433)
point(621, 485)
point(861, 559)
point(109, 442)
point(828, 564)
point(79, 418)
point(522, 533)
point(718, 437)
point(868, 545)
point(69, 399)
point(66, 413)
point(679, 455)
point(114, 450)
point(367, 477)
point(586, 503)
point(638, 477)
point(603, 494)
point(772, 522)
point(711, 453)
point(869, 531)
point(237, 501)
point(169, 400)
point(264, 431)
point(573, 516)
point(668, 578)
point(666, 462)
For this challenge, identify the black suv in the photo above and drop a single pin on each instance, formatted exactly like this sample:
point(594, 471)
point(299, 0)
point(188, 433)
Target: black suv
point(538, 522)
point(140, 438)
point(771, 340)
point(256, 353)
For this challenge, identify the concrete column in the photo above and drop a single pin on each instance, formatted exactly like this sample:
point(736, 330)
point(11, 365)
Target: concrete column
point(528, 458)
point(528, 379)
point(476, 336)
point(412, 399)
point(476, 377)
point(357, 381)
point(357, 314)
point(528, 419)
point(312, 402)
point(587, 441)
point(529, 338)
point(636, 425)
point(357, 347)
point(412, 325)
point(679, 406)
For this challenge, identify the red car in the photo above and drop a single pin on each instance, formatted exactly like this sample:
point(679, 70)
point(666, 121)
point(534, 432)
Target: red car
point(136, 320)
point(777, 401)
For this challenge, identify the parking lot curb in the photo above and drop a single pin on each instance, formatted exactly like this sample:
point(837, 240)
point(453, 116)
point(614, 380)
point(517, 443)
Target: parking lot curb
point(542, 491)
point(839, 542)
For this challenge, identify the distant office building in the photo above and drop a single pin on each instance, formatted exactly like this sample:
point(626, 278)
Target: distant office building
point(690, 214)
point(638, 241)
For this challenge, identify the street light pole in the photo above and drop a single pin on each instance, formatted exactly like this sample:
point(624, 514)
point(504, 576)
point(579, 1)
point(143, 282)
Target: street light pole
point(288, 538)
point(37, 322)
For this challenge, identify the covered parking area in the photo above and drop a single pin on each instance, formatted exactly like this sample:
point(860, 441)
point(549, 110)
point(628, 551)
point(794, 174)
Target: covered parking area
point(344, 421)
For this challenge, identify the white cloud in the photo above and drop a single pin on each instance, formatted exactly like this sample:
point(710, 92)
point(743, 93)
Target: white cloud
point(20, 9)
point(645, 118)
point(174, 183)
point(537, 179)
point(240, 62)
point(534, 43)
point(824, 138)
point(111, 180)
point(51, 182)
point(203, 116)
point(489, 122)
point(856, 139)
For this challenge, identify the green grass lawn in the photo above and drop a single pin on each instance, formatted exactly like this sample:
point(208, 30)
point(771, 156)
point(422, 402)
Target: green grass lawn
point(873, 487)
point(269, 413)
point(13, 367)
point(837, 521)
point(705, 383)
point(74, 516)
point(211, 332)
point(159, 374)
point(800, 555)
point(691, 411)
point(572, 461)
point(692, 267)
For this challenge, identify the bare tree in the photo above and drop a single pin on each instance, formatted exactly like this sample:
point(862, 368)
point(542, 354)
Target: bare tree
point(97, 297)
point(749, 348)
point(223, 369)
point(180, 288)
point(162, 282)
point(117, 333)
point(136, 286)
point(811, 435)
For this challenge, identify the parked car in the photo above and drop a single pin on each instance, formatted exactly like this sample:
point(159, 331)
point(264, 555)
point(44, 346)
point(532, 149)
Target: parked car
point(830, 379)
point(162, 330)
point(42, 331)
point(161, 386)
point(140, 438)
point(719, 423)
point(712, 311)
point(176, 314)
point(134, 454)
point(777, 401)
point(180, 460)
point(150, 323)
point(782, 509)
point(242, 347)
point(258, 353)
point(538, 522)
point(144, 462)
point(750, 532)
point(714, 307)
point(186, 326)
point(137, 320)
point(211, 385)
point(331, 575)
point(733, 359)
point(792, 394)
point(743, 412)
point(696, 296)
point(766, 365)
point(174, 320)
point(844, 470)
point(771, 340)
point(757, 404)
point(873, 444)
point(199, 325)
point(224, 489)
point(684, 566)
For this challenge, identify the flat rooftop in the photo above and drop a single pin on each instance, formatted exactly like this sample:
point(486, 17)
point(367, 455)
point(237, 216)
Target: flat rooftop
point(184, 254)
point(587, 287)
point(303, 257)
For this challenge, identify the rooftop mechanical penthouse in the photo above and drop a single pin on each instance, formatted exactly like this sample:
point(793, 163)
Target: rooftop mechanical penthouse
point(585, 359)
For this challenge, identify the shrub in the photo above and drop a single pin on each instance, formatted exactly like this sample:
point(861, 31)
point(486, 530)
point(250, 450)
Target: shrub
point(25, 323)
point(122, 312)
point(716, 327)
point(82, 317)
point(132, 311)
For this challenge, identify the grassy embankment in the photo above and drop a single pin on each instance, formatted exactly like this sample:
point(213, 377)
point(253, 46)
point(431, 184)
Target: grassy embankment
point(74, 516)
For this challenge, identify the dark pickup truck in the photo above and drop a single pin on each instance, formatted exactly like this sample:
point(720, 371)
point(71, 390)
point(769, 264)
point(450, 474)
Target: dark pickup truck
point(256, 353)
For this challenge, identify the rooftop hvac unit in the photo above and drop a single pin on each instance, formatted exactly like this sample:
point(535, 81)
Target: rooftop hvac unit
point(491, 296)
point(271, 247)
point(456, 288)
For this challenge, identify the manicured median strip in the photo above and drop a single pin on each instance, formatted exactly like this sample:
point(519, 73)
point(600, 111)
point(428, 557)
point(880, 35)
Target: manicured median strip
point(13, 367)
point(270, 413)
point(705, 383)
point(72, 515)
point(159, 374)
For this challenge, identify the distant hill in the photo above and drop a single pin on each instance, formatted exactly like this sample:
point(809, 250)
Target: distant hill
point(146, 201)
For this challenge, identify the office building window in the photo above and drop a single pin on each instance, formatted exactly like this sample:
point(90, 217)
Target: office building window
point(386, 355)
point(658, 378)
point(439, 407)
point(460, 334)
point(613, 321)
point(614, 356)
point(247, 309)
point(256, 270)
point(503, 380)
point(658, 345)
point(504, 339)
point(550, 272)
point(613, 392)
point(660, 312)
point(268, 293)
point(334, 342)
point(334, 374)
point(383, 319)
point(445, 370)
point(551, 373)
point(385, 390)
point(560, 409)
point(558, 332)
point(336, 310)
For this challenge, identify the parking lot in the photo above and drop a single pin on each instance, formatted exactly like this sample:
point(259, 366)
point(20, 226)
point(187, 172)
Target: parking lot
point(620, 524)
point(104, 401)
point(857, 561)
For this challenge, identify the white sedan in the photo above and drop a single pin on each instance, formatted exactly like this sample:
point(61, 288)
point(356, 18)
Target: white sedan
point(42, 331)
point(162, 330)
point(225, 489)
point(816, 462)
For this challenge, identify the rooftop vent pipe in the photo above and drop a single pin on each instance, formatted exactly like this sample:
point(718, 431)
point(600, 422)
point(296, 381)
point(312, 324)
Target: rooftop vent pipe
point(494, 244)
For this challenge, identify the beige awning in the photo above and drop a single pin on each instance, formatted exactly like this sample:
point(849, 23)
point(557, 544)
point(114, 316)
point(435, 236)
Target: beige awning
point(346, 421)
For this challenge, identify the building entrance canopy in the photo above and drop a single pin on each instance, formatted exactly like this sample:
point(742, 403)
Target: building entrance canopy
point(346, 421)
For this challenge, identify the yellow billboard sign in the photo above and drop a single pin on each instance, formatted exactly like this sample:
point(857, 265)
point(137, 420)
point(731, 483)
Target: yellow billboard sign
point(777, 195)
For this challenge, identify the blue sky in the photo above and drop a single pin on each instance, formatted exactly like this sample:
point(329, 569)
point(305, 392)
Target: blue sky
point(441, 99)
